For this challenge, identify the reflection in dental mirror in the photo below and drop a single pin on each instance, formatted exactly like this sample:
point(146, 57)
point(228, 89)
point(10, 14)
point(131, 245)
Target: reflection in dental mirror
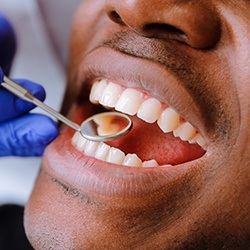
point(106, 126)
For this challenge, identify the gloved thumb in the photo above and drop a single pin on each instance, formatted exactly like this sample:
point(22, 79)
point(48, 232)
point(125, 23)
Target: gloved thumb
point(27, 135)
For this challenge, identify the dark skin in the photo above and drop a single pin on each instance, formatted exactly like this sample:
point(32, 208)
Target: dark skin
point(203, 47)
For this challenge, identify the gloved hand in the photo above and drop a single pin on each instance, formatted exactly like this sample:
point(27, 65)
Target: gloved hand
point(7, 44)
point(23, 134)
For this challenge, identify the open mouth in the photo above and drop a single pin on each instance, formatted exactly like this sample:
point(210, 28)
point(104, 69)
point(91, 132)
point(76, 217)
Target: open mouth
point(160, 136)
point(169, 137)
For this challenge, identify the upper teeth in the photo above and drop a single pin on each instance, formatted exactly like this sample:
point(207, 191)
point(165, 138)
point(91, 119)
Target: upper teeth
point(149, 109)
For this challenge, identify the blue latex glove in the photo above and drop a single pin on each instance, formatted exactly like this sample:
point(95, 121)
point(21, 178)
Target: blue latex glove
point(23, 134)
point(7, 44)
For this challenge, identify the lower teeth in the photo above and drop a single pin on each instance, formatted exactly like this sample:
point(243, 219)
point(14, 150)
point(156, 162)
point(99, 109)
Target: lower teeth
point(104, 152)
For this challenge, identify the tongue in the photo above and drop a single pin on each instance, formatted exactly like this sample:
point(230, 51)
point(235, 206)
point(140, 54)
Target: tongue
point(149, 142)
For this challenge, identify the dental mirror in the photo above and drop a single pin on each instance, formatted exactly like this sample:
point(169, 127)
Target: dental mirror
point(105, 126)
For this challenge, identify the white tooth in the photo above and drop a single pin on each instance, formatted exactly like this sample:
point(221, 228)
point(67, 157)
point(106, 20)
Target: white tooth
point(115, 156)
point(75, 138)
point(200, 140)
point(185, 131)
point(175, 133)
point(110, 95)
point(132, 160)
point(169, 120)
point(90, 148)
point(102, 151)
point(151, 163)
point(97, 90)
point(150, 110)
point(129, 101)
point(192, 141)
point(79, 142)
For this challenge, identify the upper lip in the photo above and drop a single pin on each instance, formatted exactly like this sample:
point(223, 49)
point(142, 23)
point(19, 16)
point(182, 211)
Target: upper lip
point(144, 75)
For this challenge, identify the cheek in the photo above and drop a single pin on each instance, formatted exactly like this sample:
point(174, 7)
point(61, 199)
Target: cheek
point(85, 25)
point(84, 36)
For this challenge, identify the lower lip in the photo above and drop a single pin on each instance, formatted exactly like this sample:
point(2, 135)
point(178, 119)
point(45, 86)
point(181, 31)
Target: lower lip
point(91, 176)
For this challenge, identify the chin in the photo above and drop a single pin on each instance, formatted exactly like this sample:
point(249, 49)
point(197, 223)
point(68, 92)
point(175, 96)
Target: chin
point(174, 217)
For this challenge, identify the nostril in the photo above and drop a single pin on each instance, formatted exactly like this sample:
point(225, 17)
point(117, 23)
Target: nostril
point(165, 31)
point(114, 16)
point(193, 23)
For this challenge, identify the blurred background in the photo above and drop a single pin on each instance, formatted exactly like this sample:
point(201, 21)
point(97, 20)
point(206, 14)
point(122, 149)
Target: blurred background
point(42, 29)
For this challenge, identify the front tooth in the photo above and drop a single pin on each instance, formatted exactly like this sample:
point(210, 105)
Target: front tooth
point(75, 139)
point(185, 131)
point(150, 110)
point(129, 101)
point(151, 163)
point(169, 120)
point(132, 160)
point(90, 148)
point(110, 95)
point(102, 151)
point(79, 142)
point(96, 91)
point(115, 156)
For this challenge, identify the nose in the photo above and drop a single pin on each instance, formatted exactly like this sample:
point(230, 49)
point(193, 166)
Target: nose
point(191, 22)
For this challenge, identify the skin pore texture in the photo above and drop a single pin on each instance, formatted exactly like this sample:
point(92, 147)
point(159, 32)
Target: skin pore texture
point(192, 56)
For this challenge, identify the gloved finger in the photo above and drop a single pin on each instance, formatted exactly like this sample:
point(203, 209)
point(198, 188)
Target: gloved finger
point(27, 135)
point(7, 44)
point(12, 106)
point(1, 75)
